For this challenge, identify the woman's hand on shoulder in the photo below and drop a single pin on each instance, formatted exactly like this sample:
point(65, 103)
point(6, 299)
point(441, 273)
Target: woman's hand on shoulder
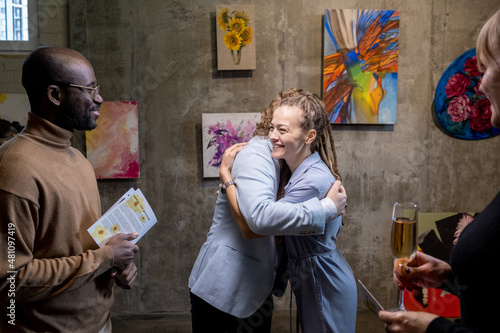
point(338, 195)
point(227, 162)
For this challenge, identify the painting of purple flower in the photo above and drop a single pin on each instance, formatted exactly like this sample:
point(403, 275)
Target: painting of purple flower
point(221, 131)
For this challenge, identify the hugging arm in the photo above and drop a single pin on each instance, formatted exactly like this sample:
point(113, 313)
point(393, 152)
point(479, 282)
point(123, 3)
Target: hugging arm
point(225, 176)
point(238, 216)
point(255, 175)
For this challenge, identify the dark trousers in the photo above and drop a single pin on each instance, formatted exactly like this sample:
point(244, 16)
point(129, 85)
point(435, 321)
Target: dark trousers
point(206, 318)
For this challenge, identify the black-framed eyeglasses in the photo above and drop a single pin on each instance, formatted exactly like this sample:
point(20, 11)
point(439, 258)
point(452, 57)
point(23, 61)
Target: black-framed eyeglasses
point(94, 91)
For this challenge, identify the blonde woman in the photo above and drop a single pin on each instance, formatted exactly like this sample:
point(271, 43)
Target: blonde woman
point(478, 245)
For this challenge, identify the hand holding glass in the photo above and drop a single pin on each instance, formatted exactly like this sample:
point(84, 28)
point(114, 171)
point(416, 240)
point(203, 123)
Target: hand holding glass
point(404, 238)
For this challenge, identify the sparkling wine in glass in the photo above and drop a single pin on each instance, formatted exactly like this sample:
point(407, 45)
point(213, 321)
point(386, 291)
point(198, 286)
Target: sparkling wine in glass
point(404, 238)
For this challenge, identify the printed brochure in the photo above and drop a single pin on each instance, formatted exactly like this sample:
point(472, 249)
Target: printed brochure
point(131, 213)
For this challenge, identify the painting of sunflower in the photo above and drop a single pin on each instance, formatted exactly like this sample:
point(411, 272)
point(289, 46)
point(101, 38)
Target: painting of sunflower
point(235, 37)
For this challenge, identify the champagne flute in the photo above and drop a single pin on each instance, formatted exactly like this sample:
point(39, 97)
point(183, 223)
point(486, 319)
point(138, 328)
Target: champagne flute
point(404, 238)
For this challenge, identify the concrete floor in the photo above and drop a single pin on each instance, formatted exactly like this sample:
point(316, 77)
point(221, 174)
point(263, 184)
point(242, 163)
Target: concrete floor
point(181, 323)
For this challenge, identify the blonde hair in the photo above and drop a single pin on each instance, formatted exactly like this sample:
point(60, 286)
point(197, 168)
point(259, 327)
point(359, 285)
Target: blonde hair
point(488, 40)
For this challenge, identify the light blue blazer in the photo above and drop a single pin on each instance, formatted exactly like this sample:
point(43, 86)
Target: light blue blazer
point(235, 274)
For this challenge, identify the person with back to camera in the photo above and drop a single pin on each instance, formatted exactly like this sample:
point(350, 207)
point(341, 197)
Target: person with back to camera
point(58, 279)
point(478, 246)
point(232, 279)
point(321, 279)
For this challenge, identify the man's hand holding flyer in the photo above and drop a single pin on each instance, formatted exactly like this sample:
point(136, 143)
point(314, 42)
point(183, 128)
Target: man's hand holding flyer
point(131, 213)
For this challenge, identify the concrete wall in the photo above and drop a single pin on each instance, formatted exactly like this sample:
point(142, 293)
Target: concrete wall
point(162, 54)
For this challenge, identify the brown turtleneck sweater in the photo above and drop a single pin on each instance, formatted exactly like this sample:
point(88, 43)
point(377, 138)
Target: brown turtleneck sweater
point(48, 199)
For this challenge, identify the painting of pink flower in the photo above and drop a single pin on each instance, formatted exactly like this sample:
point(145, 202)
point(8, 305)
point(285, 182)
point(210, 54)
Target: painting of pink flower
point(459, 108)
point(457, 85)
point(221, 131)
point(462, 110)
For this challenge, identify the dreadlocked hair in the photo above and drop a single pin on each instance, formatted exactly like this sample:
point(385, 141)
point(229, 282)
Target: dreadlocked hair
point(314, 117)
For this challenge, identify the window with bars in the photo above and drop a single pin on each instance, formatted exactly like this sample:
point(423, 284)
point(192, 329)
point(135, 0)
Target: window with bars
point(18, 25)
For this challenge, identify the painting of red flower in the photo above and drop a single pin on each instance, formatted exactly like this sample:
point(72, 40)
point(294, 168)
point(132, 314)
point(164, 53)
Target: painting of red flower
point(460, 107)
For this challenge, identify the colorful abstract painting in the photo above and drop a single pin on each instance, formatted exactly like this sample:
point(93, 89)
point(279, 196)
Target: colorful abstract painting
point(360, 66)
point(13, 115)
point(236, 37)
point(113, 147)
point(221, 131)
point(461, 110)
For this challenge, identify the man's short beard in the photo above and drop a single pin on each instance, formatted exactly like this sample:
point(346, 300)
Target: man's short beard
point(79, 121)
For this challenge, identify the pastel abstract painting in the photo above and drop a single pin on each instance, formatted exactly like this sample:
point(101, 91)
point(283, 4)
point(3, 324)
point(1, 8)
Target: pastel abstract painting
point(113, 147)
point(360, 66)
point(221, 131)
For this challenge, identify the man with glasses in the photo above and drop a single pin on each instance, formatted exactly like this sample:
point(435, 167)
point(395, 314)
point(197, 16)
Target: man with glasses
point(53, 276)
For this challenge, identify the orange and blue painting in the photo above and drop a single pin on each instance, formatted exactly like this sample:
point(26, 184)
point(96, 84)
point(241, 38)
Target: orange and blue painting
point(360, 66)
point(113, 147)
